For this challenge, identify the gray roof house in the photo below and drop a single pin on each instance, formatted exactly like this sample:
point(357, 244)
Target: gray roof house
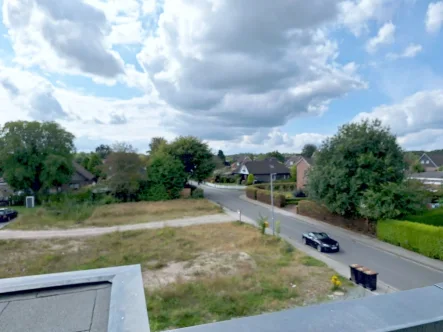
point(113, 299)
point(431, 178)
point(261, 169)
point(431, 161)
point(291, 161)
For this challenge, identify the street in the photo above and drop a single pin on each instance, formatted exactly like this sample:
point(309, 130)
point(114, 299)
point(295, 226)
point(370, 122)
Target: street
point(393, 270)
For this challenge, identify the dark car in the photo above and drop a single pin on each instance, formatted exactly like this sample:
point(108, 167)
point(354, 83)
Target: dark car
point(7, 214)
point(321, 241)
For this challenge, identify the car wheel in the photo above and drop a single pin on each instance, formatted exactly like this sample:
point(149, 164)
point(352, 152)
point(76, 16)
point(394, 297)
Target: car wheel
point(319, 248)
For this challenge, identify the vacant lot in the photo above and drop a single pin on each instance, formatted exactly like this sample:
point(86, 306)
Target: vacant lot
point(113, 214)
point(192, 275)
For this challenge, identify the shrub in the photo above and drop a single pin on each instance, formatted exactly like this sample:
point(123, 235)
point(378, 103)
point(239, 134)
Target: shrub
point(421, 238)
point(198, 193)
point(157, 192)
point(251, 192)
point(250, 179)
point(265, 197)
point(431, 217)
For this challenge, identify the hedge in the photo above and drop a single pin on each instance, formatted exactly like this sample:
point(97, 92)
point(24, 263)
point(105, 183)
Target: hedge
point(251, 192)
point(264, 196)
point(430, 217)
point(424, 239)
point(286, 186)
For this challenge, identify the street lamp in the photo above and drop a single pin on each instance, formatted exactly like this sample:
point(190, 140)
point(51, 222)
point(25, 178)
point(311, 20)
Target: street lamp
point(272, 198)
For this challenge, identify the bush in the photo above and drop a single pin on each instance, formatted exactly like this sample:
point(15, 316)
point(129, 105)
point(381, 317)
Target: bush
point(421, 238)
point(431, 217)
point(157, 192)
point(264, 196)
point(250, 179)
point(251, 192)
point(198, 193)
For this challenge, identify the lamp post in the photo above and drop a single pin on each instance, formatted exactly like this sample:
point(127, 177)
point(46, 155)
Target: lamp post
point(272, 199)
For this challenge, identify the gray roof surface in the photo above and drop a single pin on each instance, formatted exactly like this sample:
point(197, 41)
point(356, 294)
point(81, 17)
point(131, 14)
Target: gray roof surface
point(392, 312)
point(110, 299)
point(428, 175)
point(83, 171)
point(437, 158)
point(264, 167)
point(60, 309)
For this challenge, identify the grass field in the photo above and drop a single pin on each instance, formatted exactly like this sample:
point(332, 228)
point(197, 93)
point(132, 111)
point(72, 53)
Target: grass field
point(113, 214)
point(430, 217)
point(192, 275)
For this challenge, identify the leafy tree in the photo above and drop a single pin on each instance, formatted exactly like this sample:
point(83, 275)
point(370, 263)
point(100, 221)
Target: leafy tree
point(123, 147)
point(221, 155)
point(156, 144)
point(250, 179)
point(440, 169)
point(413, 163)
point(95, 164)
point(168, 172)
point(293, 171)
point(392, 200)
point(103, 151)
point(124, 172)
point(360, 157)
point(308, 150)
point(36, 155)
point(275, 154)
point(195, 156)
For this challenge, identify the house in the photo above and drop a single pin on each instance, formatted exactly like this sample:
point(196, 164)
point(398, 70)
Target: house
point(291, 161)
point(431, 161)
point(261, 169)
point(429, 178)
point(241, 160)
point(80, 178)
point(303, 166)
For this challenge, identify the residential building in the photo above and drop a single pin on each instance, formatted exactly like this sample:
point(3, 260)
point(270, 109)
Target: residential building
point(261, 169)
point(429, 178)
point(291, 161)
point(241, 160)
point(80, 178)
point(431, 161)
point(303, 166)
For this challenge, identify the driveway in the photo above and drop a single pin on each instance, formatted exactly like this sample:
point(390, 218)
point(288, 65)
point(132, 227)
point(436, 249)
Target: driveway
point(396, 271)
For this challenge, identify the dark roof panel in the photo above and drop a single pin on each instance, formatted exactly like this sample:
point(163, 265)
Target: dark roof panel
point(83, 171)
point(265, 167)
point(428, 175)
point(437, 158)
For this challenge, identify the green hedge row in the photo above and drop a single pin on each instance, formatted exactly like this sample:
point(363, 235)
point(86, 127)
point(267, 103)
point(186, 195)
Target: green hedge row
point(286, 186)
point(295, 201)
point(424, 239)
point(264, 196)
point(430, 217)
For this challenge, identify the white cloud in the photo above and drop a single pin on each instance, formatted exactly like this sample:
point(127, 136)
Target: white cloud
point(355, 14)
point(434, 17)
point(384, 36)
point(409, 52)
point(61, 36)
point(221, 66)
point(420, 111)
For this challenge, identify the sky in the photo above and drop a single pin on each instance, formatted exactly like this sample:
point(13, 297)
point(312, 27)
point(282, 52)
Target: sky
point(245, 76)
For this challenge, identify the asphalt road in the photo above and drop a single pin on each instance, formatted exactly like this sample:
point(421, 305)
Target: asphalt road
point(393, 270)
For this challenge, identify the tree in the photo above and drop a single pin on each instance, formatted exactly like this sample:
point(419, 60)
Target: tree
point(309, 150)
point(221, 155)
point(36, 155)
point(123, 147)
point(124, 171)
point(275, 154)
point(195, 156)
point(156, 144)
point(413, 162)
point(294, 173)
point(94, 164)
point(165, 171)
point(103, 151)
point(250, 179)
point(360, 157)
point(392, 200)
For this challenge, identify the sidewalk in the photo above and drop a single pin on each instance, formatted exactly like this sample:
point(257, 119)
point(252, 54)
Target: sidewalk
point(369, 241)
point(95, 231)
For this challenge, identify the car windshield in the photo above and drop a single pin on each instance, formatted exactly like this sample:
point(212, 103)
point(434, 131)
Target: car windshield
point(321, 236)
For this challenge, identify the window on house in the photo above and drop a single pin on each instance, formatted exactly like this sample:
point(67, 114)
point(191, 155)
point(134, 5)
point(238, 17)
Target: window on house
point(427, 161)
point(422, 162)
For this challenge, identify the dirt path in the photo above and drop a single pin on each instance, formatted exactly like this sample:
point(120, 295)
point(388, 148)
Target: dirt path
point(95, 231)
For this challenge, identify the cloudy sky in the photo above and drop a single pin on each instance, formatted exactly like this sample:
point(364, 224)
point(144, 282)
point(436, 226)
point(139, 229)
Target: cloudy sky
point(249, 75)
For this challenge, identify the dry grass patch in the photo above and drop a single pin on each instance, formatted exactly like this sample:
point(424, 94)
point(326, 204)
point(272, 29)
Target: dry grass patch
point(116, 214)
point(207, 273)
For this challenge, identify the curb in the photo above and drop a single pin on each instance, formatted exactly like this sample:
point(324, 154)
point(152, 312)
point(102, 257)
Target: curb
point(363, 239)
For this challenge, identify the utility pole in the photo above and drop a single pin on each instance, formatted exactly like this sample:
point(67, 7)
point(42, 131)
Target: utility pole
point(272, 200)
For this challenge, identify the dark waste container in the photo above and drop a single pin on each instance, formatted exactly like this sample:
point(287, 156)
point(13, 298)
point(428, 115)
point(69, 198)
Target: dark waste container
point(370, 279)
point(354, 273)
point(360, 276)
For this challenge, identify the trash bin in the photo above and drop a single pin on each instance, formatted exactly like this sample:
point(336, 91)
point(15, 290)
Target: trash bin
point(354, 272)
point(370, 279)
point(360, 275)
